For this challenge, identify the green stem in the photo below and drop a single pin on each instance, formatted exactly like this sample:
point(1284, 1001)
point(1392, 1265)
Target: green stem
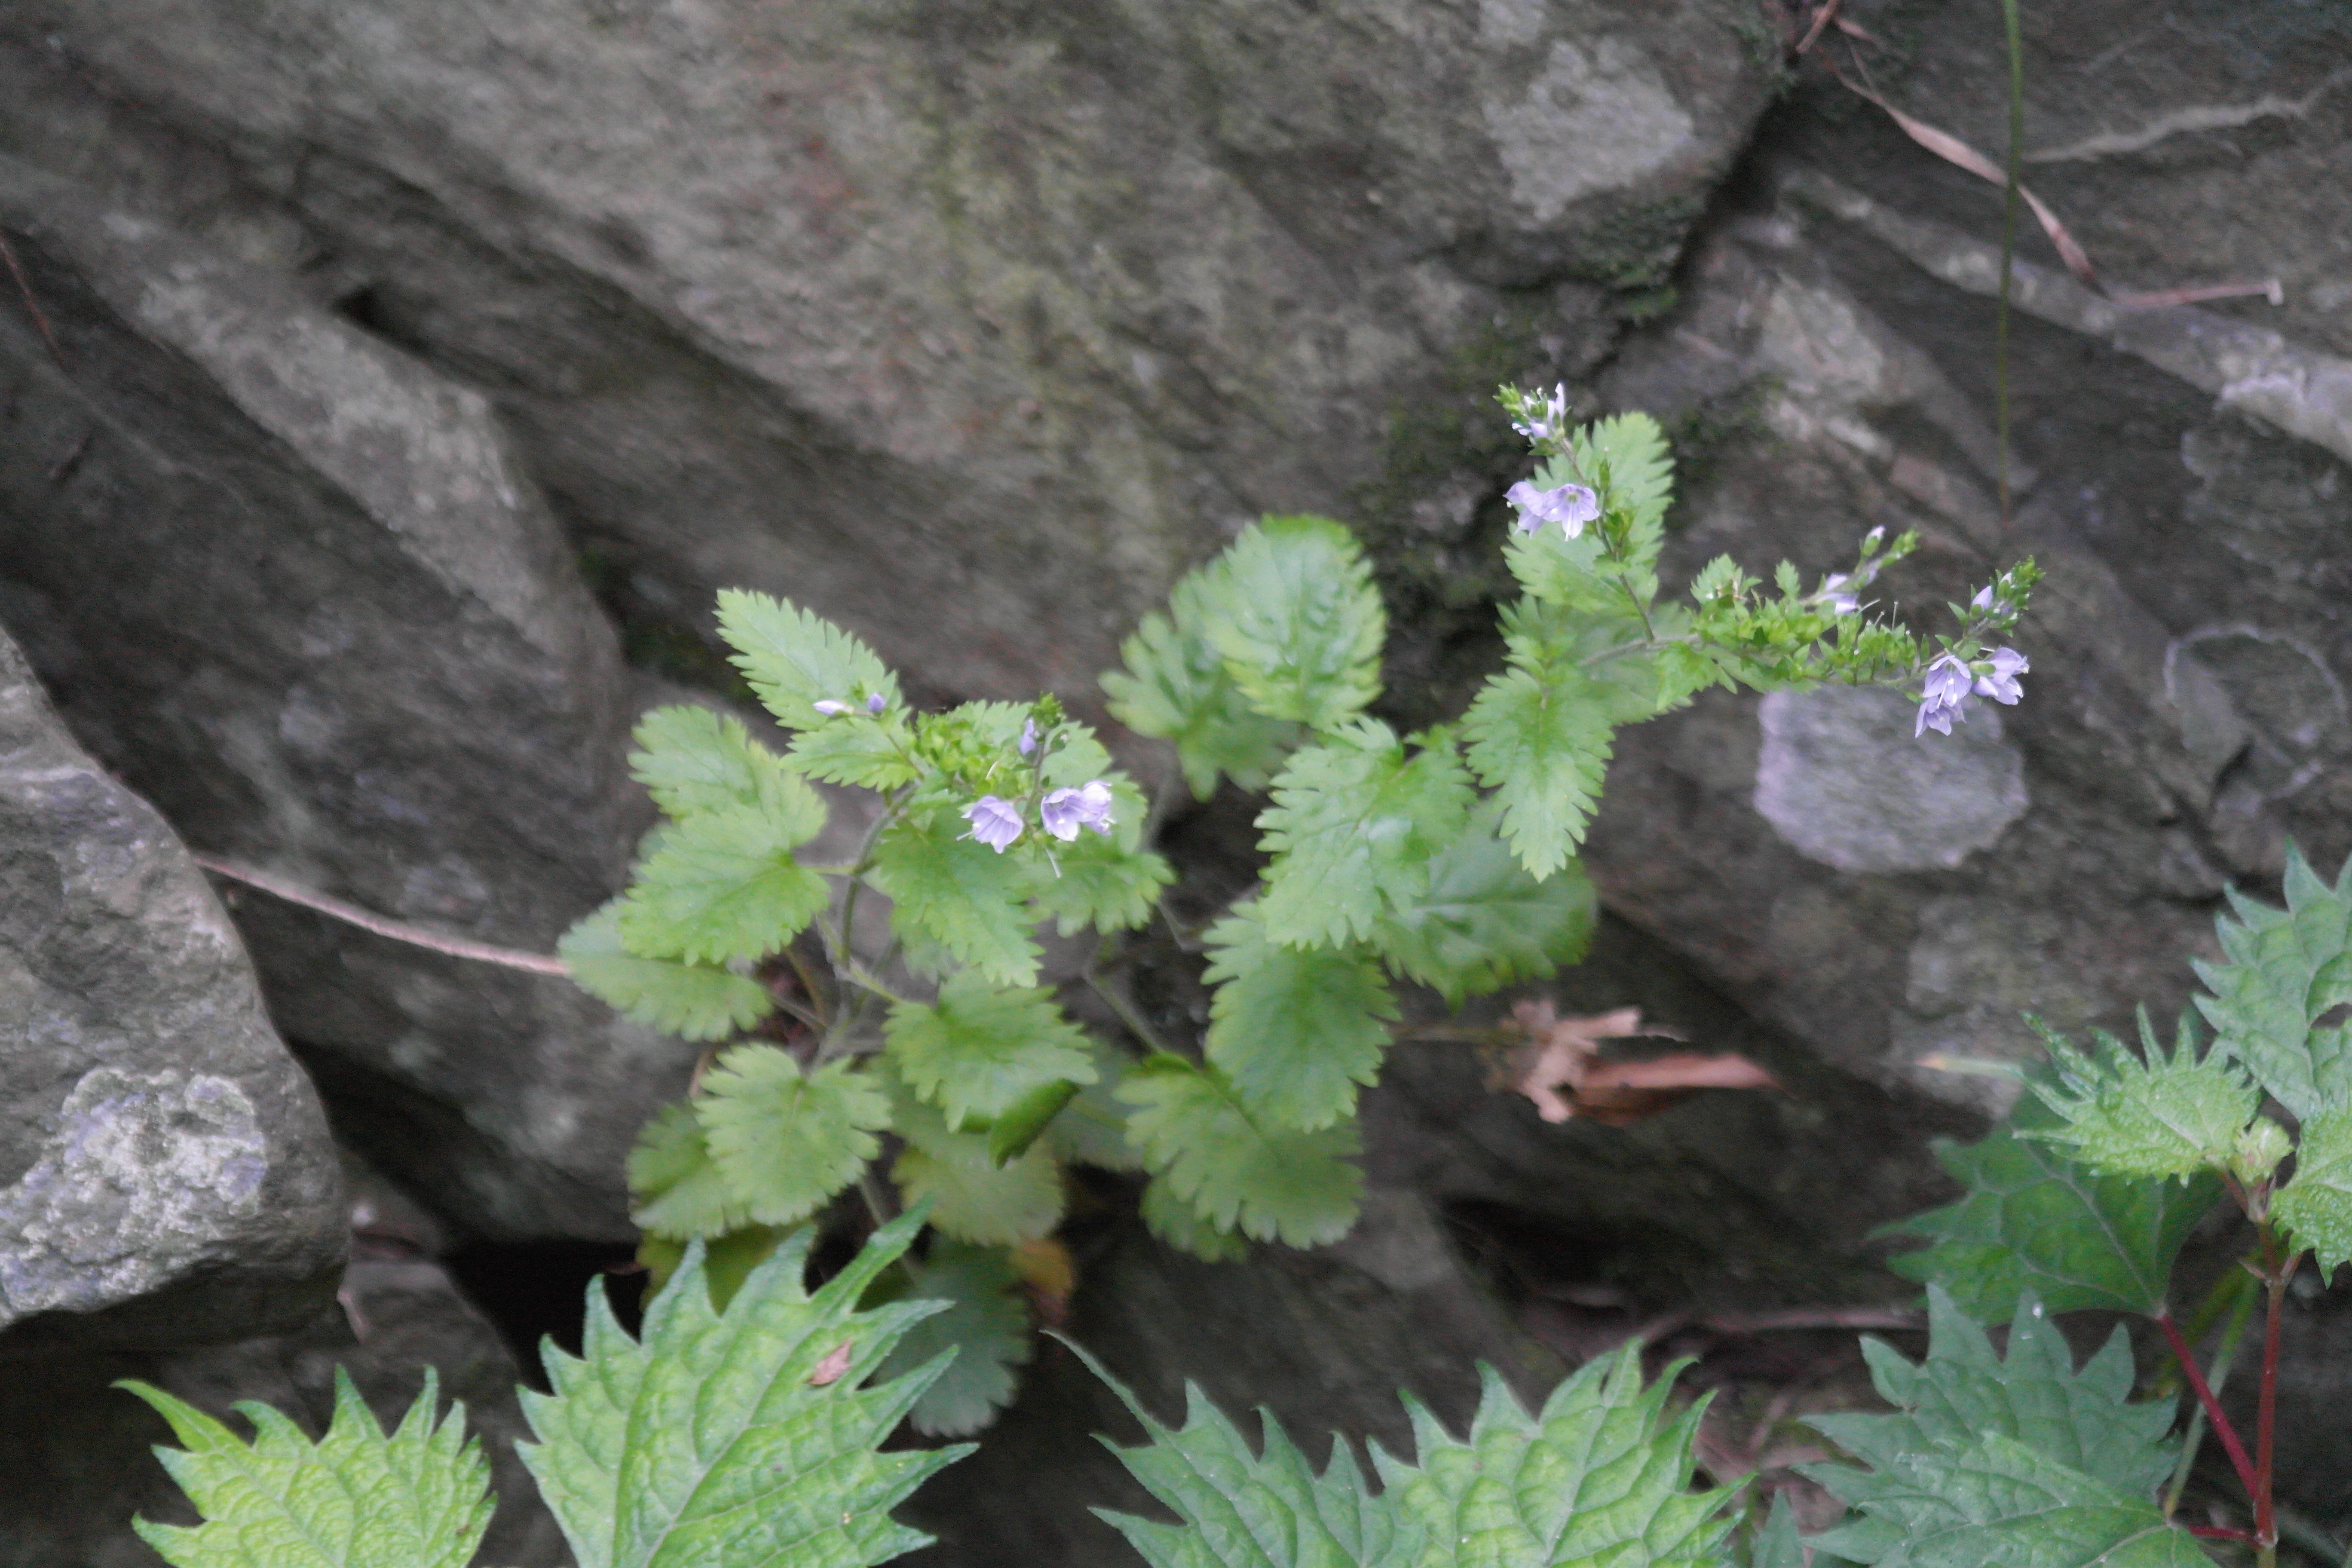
point(2008, 243)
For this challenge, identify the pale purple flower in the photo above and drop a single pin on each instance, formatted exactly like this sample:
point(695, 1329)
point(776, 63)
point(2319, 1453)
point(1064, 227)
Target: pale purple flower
point(1985, 603)
point(994, 822)
point(828, 707)
point(1555, 414)
point(2001, 683)
point(1945, 697)
point(876, 703)
point(1028, 741)
point(1840, 603)
point(1067, 810)
point(1570, 506)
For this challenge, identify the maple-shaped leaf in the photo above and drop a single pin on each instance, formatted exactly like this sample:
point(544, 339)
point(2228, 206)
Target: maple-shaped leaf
point(1562, 1071)
point(979, 1049)
point(1599, 1475)
point(1541, 740)
point(737, 1439)
point(2316, 1206)
point(356, 1498)
point(958, 893)
point(1175, 687)
point(786, 1138)
point(1276, 1183)
point(1295, 1030)
point(2286, 970)
point(724, 884)
point(2035, 1221)
point(2155, 1115)
point(1297, 621)
point(794, 659)
point(985, 1323)
point(1353, 824)
point(693, 1001)
point(1483, 922)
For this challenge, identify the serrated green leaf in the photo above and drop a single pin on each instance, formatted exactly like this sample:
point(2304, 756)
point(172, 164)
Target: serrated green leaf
point(1243, 1509)
point(1567, 573)
point(727, 1260)
point(1963, 1390)
point(2160, 1114)
point(719, 1441)
point(1351, 828)
point(2316, 1206)
point(1175, 687)
point(786, 1140)
point(794, 659)
point(693, 760)
point(1276, 1183)
point(857, 748)
point(1092, 1129)
point(2286, 969)
point(1175, 1221)
point(679, 1190)
point(2035, 1221)
point(723, 884)
point(1295, 1030)
point(1293, 612)
point(986, 1324)
point(1630, 460)
point(975, 1199)
point(961, 894)
point(693, 1001)
point(1104, 880)
point(1540, 738)
point(1014, 1133)
point(1599, 1476)
point(980, 1050)
point(356, 1498)
point(1777, 1543)
point(1484, 922)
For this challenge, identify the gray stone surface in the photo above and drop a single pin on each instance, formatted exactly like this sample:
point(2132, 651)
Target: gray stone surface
point(168, 1178)
point(300, 590)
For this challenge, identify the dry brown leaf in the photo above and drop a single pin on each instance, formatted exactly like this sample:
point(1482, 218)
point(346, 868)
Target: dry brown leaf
point(836, 1362)
point(1561, 1070)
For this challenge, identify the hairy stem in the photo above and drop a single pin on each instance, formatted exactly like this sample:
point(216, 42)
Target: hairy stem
point(2008, 244)
point(2213, 1406)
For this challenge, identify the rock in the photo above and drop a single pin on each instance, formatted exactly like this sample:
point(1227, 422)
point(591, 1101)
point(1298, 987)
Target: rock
point(298, 589)
point(168, 1179)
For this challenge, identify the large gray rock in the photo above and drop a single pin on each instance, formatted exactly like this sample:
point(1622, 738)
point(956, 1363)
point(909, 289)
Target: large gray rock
point(297, 588)
point(165, 1177)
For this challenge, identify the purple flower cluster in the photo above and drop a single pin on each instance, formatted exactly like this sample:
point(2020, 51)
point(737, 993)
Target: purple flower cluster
point(1570, 506)
point(1952, 680)
point(997, 823)
point(1553, 421)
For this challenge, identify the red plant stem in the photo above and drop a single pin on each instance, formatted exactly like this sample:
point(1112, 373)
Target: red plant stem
point(2274, 1275)
point(2220, 1423)
point(2221, 1532)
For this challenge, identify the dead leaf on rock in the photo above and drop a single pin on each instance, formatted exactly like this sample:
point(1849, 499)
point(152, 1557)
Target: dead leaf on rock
point(836, 1362)
point(1560, 1067)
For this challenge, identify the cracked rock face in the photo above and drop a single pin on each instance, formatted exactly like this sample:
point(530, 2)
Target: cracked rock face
point(168, 1175)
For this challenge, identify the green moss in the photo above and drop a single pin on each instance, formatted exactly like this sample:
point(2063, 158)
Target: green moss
point(1707, 431)
point(1635, 248)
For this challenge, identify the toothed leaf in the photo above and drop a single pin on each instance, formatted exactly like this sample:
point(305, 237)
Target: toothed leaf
point(786, 1139)
point(980, 1050)
point(1274, 1184)
point(1295, 1030)
point(959, 893)
point(2286, 969)
point(1485, 923)
point(1353, 824)
point(693, 1001)
point(794, 659)
point(1296, 618)
point(723, 884)
point(2160, 1115)
point(985, 1323)
point(2316, 1206)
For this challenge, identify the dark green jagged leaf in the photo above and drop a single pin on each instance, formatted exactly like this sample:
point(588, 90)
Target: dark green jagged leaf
point(986, 1324)
point(1777, 1543)
point(2034, 1221)
point(727, 1260)
point(2150, 1115)
point(2286, 969)
point(978, 1049)
point(694, 760)
point(1293, 612)
point(794, 659)
point(723, 883)
point(959, 893)
point(1240, 1507)
point(741, 1439)
point(1631, 462)
point(1484, 922)
point(1540, 738)
point(1276, 1183)
point(1295, 1030)
point(786, 1140)
point(356, 1498)
point(693, 1001)
point(2316, 1206)
point(1175, 687)
point(1600, 1475)
point(1352, 826)
point(679, 1189)
point(1016, 1132)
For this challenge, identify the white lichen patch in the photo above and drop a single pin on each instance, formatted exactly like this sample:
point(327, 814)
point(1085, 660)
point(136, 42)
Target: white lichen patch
point(1591, 121)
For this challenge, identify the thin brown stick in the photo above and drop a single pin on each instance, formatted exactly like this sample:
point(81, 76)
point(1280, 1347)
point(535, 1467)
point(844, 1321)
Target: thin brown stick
point(25, 287)
point(395, 930)
point(1822, 18)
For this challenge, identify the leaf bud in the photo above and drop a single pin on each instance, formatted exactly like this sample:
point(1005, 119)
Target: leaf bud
point(2260, 1149)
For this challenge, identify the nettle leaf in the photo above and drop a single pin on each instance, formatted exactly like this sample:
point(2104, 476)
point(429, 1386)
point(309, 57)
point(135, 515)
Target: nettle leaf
point(738, 1439)
point(980, 1050)
point(2286, 970)
point(1292, 609)
point(786, 1140)
point(2316, 1206)
point(2166, 1115)
point(1175, 1221)
point(681, 1193)
point(1777, 1543)
point(1351, 828)
point(693, 759)
point(1540, 738)
point(794, 659)
point(693, 1001)
point(1295, 1030)
point(1963, 1390)
point(723, 884)
point(1600, 1475)
point(356, 1498)
point(1176, 688)
point(1276, 1183)
point(958, 893)
point(1243, 1509)
point(2034, 1221)
point(985, 1323)
point(1483, 922)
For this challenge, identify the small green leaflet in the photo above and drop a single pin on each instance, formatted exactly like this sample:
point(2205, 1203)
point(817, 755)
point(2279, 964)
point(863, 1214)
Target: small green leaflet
point(1556, 570)
point(986, 1323)
point(1483, 922)
point(1541, 740)
point(794, 659)
point(1777, 1543)
point(418, 1498)
point(693, 759)
point(1634, 467)
point(1295, 1030)
point(2034, 1221)
point(723, 884)
point(980, 1050)
point(2167, 1115)
point(1176, 1222)
point(973, 1198)
point(693, 1001)
point(1599, 1476)
point(1351, 827)
point(2316, 1206)
point(959, 893)
point(857, 748)
point(739, 1440)
point(1175, 688)
point(784, 1139)
point(2286, 970)
point(679, 1189)
point(1274, 1183)
point(1294, 613)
